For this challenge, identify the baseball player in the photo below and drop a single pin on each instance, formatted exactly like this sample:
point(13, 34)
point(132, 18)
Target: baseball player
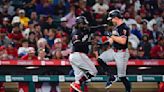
point(119, 51)
point(83, 67)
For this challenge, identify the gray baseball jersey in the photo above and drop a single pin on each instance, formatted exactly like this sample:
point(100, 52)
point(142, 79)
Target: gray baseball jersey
point(119, 52)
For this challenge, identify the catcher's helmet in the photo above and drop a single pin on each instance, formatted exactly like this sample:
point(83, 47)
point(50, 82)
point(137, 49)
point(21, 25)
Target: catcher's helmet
point(81, 19)
point(114, 13)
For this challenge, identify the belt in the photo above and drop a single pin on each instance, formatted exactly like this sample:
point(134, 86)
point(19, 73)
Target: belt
point(116, 50)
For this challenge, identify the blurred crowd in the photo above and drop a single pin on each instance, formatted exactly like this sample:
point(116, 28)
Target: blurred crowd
point(41, 29)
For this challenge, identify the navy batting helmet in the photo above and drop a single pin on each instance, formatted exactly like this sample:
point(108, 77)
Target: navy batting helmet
point(81, 19)
point(114, 13)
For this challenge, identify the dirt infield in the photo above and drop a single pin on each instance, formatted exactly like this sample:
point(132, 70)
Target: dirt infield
point(117, 87)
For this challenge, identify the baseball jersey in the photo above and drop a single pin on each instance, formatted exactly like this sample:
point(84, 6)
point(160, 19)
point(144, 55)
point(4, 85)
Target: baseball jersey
point(80, 40)
point(121, 30)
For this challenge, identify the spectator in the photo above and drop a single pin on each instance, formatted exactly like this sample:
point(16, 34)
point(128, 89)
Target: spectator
point(8, 8)
point(4, 40)
point(15, 20)
point(12, 51)
point(144, 30)
point(51, 37)
point(32, 40)
point(34, 17)
point(42, 54)
point(134, 41)
point(6, 24)
point(44, 7)
point(23, 19)
point(147, 13)
point(29, 6)
point(28, 30)
point(50, 23)
point(65, 40)
point(31, 55)
point(137, 5)
point(42, 44)
point(57, 54)
point(57, 44)
point(42, 19)
point(136, 32)
point(90, 3)
point(155, 33)
point(22, 51)
point(100, 7)
point(60, 9)
point(45, 33)
point(38, 31)
point(162, 25)
point(157, 52)
point(145, 46)
point(88, 12)
point(129, 21)
point(142, 12)
point(81, 7)
point(138, 20)
point(140, 53)
point(70, 17)
point(18, 3)
point(3, 53)
point(16, 35)
point(156, 20)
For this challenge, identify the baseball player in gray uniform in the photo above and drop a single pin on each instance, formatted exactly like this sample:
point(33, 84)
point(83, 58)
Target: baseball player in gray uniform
point(83, 67)
point(119, 52)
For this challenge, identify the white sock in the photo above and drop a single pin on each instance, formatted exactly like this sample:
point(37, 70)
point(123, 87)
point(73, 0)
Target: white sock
point(78, 77)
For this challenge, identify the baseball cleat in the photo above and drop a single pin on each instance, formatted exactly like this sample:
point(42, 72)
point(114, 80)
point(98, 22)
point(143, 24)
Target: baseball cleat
point(76, 86)
point(109, 83)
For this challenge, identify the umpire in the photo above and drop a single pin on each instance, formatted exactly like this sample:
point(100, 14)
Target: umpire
point(119, 52)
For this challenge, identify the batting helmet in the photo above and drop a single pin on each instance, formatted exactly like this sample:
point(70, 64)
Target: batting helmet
point(114, 13)
point(81, 19)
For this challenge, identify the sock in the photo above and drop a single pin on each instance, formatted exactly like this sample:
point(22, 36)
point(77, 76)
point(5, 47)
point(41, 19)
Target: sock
point(83, 79)
point(106, 69)
point(89, 76)
point(78, 77)
point(126, 84)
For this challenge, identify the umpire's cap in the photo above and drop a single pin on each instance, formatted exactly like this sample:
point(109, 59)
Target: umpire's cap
point(81, 19)
point(114, 13)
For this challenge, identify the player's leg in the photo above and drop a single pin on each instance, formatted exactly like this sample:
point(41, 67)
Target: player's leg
point(74, 60)
point(78, 75)
point(88, 67)
point(105, 57)
point(121, 59)
point(83, 68)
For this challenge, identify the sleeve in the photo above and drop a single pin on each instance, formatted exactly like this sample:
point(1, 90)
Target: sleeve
point(77, 42)
point(75, 39)
point(125, 32)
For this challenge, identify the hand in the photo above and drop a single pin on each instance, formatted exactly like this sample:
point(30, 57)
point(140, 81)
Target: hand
point(111, 40)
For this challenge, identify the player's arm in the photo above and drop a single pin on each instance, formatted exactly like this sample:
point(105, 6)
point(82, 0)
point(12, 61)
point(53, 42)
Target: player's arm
point(121, 39)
